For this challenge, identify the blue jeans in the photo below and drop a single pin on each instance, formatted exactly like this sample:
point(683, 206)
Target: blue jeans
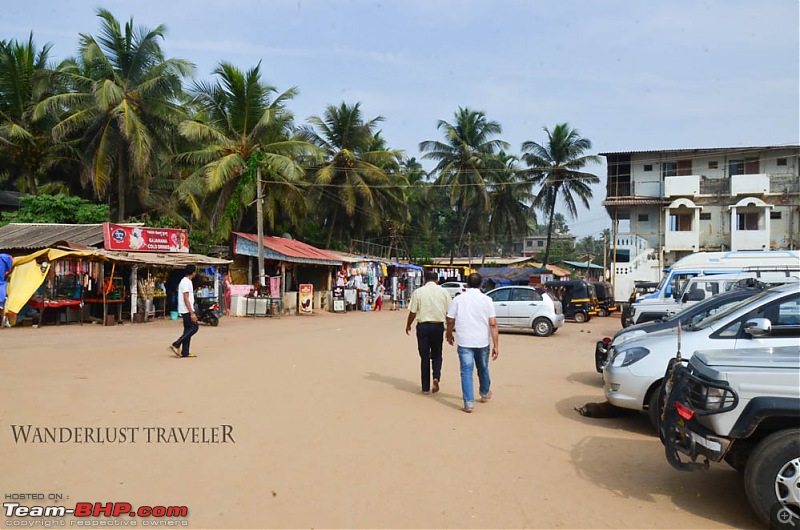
point(471, 358)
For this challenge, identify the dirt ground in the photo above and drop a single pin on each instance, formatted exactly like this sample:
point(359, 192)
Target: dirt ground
point(331, 430)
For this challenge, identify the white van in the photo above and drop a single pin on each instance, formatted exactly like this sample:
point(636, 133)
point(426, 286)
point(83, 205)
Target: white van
point(669, 294)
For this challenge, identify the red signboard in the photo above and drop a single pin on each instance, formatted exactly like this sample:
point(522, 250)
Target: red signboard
point(141, 239)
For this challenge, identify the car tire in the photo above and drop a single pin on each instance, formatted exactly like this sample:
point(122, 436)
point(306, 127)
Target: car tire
point(602, 312)
point(542, 327)
point(655, 405)
point(580, 318)
point(771, 473)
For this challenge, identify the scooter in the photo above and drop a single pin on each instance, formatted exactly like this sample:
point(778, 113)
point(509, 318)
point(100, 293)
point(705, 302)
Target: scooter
point(208, 311)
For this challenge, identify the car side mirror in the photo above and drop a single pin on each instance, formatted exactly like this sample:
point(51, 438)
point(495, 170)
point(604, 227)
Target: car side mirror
point(695, 295)
point(757, 327)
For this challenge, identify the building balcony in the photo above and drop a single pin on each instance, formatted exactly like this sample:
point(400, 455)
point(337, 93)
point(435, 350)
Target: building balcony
point(682, 186)
point(749, 184)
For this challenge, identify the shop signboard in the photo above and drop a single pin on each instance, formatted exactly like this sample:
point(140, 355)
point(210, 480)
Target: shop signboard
point(142, 239)
point(306, 297)
point(338, 299)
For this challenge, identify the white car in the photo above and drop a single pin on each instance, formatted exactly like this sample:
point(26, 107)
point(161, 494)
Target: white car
point(526, 307)
point(454, 288)
point(635, 368)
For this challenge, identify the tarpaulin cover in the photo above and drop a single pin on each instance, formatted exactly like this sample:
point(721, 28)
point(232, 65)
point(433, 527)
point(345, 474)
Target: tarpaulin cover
point(27, 275)
point(504, 275)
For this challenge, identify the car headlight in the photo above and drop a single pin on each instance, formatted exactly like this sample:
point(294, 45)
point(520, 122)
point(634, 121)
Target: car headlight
point(632, 311)
point(630, 356)
point(623, 337)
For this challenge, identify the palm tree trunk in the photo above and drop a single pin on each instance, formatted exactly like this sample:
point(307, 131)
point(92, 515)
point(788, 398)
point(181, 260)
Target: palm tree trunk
point(122, 170)
point(549, 234)
point(330, 228)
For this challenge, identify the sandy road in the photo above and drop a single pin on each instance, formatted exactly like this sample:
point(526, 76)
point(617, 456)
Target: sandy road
point(330, 430)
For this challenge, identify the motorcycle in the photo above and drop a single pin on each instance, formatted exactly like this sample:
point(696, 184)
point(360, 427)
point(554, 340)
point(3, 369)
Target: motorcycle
point(208, 310)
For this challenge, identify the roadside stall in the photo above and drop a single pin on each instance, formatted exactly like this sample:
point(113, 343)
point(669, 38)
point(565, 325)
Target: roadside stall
point(287, 264)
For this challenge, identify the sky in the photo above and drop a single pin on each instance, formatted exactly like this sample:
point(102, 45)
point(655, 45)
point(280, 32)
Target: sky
point(627, 74)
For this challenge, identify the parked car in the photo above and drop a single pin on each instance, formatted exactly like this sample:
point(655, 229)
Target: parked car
point(525, 307)
point(640, 290)
point(454, 288)
point(577, 298)
point(741, 406)
point(688, 317)
point(634, 372)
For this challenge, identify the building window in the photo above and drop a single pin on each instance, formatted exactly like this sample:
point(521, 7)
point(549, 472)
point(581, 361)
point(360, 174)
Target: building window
point(680, 222)
point(643, 217)
point(781, 162)
point(774, 215)
point(748, 166)
point(713, 164)
point(747, 220)
point(540, 243)
point(705, 216)
point(649, 167)
point(669, 169)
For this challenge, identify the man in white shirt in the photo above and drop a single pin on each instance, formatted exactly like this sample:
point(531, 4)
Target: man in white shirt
point(186, 309)
point(473, 318)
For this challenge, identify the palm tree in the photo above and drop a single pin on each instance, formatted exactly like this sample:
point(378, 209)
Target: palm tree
point(242, 125)
point(510, 199)
point(556, 166)
point(352, 181)
point(463, 160)
point(122, 102)
point(27, 149)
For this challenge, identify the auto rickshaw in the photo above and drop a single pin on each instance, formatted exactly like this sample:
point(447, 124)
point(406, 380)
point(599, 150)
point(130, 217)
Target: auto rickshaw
point(605, 298)
point(578, 298)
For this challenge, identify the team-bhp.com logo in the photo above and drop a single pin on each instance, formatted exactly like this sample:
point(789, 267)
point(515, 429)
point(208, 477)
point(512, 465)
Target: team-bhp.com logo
point(95, 509)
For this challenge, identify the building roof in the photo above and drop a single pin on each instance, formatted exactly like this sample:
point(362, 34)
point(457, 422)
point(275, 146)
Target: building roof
point(632, 201)
point(10, 198)
point(703, 150)
point(582, 265)
point(479, 261)
point(280, 249)
point(33, 236)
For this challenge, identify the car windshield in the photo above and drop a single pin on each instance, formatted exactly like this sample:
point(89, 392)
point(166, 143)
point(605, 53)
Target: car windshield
point(711, 320)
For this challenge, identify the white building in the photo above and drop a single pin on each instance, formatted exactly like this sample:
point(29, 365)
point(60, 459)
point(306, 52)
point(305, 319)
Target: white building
point(667, 204)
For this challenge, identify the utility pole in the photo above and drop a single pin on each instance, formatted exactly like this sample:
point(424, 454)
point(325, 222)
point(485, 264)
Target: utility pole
point(260, 223)
point(605, 254)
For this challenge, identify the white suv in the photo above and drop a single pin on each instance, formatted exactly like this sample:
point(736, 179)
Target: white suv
point(635, 369)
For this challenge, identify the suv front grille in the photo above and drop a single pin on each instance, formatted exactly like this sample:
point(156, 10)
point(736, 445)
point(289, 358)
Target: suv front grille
point(708, 396)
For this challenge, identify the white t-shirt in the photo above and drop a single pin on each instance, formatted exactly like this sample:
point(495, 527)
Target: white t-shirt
point(185, 287)
point(472, 311)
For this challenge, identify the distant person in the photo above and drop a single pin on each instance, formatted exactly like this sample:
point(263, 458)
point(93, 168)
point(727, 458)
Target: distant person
point(186, 309)
point(473, 318)
point(379, 290)
point(429, 306)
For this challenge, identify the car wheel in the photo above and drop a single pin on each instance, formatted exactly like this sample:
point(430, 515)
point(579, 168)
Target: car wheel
point(542, 327)
point(655, 405)
point(771, 476)
point(580, 318)
point(602, 312)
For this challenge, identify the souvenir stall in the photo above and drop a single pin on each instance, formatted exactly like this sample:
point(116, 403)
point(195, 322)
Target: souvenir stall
point(288, 264)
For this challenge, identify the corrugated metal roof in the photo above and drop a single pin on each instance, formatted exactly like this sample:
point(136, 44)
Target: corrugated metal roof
point(632, 201)
point(582, 265)
point(701, 150)
point(10, 198)
point(477, 262)
point(294, 251)
point(33, 236)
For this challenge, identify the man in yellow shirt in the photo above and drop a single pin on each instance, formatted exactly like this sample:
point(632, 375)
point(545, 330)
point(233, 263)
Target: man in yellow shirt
point(429, 305)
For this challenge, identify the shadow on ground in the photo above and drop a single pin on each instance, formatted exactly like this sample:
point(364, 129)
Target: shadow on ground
point(637, 469)
point(592, 379)
point(404, 385)
point(631, 421)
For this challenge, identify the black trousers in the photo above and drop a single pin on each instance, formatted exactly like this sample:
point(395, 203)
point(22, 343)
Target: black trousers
point(430, 336)
point(189, 329)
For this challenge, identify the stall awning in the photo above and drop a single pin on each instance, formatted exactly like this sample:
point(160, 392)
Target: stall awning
point(175, 260)
point(280, 249)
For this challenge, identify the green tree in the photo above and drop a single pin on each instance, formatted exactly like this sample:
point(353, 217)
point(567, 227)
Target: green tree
point(242, 125)
point(555, 166)
point(27, 149)
point(122, 103)
point(349, 180)
point(56, 209)
point(510, 197)
point(463, 163)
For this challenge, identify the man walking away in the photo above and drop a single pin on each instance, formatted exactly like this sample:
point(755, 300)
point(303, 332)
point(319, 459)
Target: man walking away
point(186, 309)
point(429, 306)
point(472, 315)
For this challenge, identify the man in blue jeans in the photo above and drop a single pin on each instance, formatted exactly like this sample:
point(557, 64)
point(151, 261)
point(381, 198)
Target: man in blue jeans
point(186, 309)
point(473, 318)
